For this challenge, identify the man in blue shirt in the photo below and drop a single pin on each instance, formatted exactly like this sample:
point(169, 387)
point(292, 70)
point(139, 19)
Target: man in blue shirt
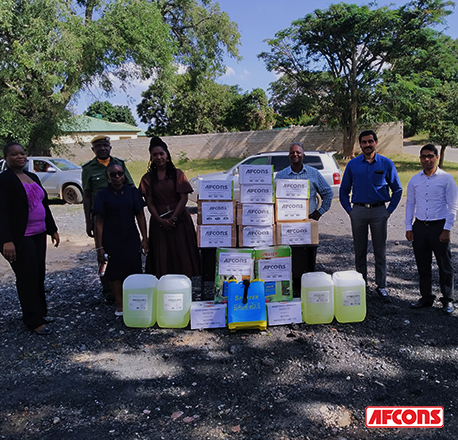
point(318, 185)
point(370, 177)
point(304, 258)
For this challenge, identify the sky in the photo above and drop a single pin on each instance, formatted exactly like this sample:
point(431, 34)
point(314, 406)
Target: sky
point(256, 20)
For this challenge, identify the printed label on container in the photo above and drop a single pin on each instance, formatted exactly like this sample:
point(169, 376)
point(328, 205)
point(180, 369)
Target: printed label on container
point(292, 189)
point(319, 297)
point(351, 297)
point(257, 214)
point(216, 190)
point(217, 213)
point(297, 233)
point(275, 269)
point(234, 263)
point(173, 302)
point(138, 302)
point(215, 236)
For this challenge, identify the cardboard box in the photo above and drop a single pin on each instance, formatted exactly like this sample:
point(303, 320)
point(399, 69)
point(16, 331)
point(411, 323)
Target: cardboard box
point(215, 213)
point(252, 236)
point(296, 210)
point(256, 174)
point(284, 313)
point(237, 264)
point(297, 233)
point(292, 189)
point(253, 193)
point(207, 314)
point(216, 189)
point(216, 236)
point(273, 266)
point(249, 214)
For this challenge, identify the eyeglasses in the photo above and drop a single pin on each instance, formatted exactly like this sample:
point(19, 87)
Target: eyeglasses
point(117, 174)
point(297, 143)
point(427, 156)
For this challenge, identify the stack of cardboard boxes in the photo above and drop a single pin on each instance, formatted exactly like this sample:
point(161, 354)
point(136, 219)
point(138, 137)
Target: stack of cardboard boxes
point(216, 214)
point(291, 213)
point(255, 212)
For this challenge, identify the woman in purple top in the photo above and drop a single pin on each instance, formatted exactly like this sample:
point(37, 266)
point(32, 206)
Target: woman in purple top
point(25, 219)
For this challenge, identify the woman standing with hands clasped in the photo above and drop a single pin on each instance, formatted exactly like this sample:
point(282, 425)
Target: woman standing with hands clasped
point(25, 219)
point(172, 237)
point(116, 207)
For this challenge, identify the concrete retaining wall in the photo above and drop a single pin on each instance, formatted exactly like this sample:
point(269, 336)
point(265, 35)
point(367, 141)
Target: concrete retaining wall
point(241, 144)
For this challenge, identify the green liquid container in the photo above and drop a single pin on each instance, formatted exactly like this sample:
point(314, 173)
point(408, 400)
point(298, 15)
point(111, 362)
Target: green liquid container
point(317, 296)
point(174, 296)
point(138, 299)
point(349, 296)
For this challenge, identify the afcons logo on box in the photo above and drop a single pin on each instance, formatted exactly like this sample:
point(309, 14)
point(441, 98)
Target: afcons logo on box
point(236, 260)
point(217, 208)
point(258, 233)
point(258, 211)
point(216, 187)
point(258, 191)
point(257, 171)
point(295, 185)
point(296, 231)
point(275, 267)
point(404, 416)
point(216, 233)
point(292, 206)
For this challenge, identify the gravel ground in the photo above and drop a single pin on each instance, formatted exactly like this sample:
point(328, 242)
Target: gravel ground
point(93, 378)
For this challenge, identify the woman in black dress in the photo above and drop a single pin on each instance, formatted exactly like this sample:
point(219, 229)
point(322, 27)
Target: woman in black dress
point(25, 219)
point(116, 235)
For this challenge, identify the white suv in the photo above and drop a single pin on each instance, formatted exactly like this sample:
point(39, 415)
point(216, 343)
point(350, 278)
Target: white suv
point(323, 161)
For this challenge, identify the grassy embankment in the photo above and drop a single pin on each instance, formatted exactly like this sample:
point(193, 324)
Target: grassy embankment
point(406, 164)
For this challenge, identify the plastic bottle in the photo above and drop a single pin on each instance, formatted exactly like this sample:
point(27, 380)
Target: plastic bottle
point(174, 296)
point(349, 296)
point(317, 296)
point(139, 302)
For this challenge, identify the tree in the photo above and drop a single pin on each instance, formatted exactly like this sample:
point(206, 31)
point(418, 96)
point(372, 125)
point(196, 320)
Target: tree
point(439, 115)
point(250, 111)
point(337, 56)
point(204, 107)
point(110, 112)
point(191, 108)
point(408, 84)
point(53, 49)
point(204, 34)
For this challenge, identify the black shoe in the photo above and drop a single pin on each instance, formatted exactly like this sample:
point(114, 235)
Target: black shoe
point(383, 294)
point(422, 303)
point(448, 308)
point(44, 331)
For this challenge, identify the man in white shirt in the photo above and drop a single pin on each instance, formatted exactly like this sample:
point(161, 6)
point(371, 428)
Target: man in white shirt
point(432, 200)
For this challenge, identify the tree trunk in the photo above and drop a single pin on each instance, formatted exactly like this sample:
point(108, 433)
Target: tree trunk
point(442, 155)
point(33, 149)
point(349, 138)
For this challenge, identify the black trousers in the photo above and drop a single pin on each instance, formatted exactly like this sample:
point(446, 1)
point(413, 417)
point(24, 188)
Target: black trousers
point(425, 243)
point(29, 267)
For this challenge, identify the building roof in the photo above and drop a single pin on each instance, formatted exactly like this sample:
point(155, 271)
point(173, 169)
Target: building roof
point(83, 124)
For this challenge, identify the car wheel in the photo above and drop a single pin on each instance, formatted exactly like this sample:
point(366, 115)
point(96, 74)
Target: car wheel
point(72, 194)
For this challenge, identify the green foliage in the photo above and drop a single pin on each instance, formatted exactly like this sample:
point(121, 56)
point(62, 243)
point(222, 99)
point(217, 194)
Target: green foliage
point(439, 116)
point(53, 49)
point(110, 112)
point(336, 57)
point(203, 106)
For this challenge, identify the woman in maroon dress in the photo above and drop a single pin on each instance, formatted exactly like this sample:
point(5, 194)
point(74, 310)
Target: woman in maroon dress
point(172, 236)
